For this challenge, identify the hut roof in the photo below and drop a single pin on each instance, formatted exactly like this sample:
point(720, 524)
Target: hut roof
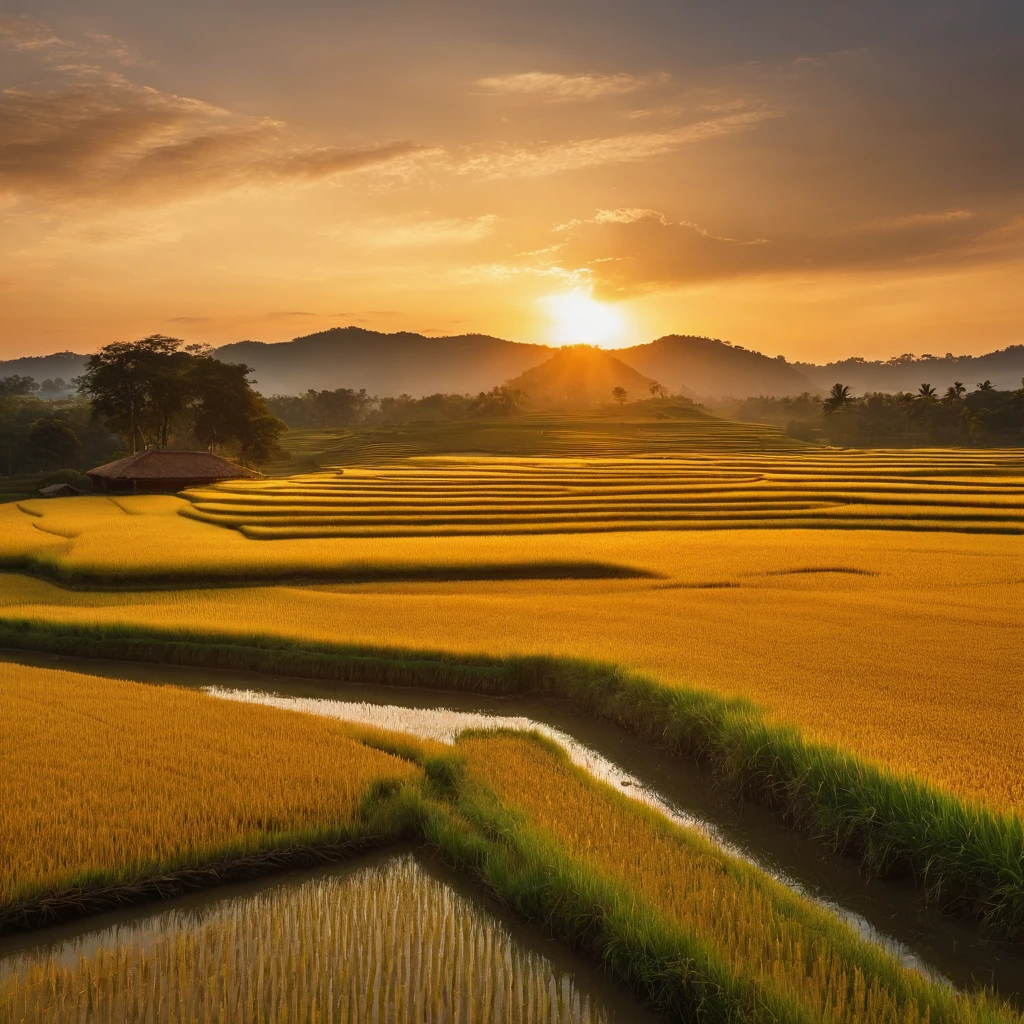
point(163, 464)
point(59, 491)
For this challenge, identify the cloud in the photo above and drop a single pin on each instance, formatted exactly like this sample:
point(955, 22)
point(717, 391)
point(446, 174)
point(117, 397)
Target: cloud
point(559, 88)
point(112, 139)
point(629, 250)
point(28, 36)
point(425, 232)
point(916, 219)
point(542, 159)
point(95, 135)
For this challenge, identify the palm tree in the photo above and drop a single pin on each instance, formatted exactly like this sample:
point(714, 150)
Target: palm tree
point(955, 391)
point(838, 397)
point(986, 385)
point(926, 391)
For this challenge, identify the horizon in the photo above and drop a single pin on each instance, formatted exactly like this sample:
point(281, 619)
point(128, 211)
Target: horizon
point(553, 346)
point(818, 188)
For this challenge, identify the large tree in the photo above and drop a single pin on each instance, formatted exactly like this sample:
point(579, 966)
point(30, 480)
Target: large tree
point(53, 442)
point(152, 390)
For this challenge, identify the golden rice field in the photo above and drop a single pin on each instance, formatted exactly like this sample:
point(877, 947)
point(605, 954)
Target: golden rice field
point(775, 946)
point(388, 943)
point(947, 490)
point(902, 647)
point(104, 782)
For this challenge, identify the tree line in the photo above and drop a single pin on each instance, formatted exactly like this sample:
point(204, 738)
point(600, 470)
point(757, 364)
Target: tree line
point(155, 392)
point(954, 416)
point(346, 407)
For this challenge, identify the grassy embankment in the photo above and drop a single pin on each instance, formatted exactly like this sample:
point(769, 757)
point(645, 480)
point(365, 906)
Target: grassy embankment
point(557, 846)
point(895, 657)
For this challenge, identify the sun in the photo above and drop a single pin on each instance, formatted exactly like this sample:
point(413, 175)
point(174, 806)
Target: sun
point(578, 319)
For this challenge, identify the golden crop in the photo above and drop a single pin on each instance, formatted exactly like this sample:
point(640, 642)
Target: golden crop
point(933, 489)
point(903, 648)
point(104, 781)
point(389, 943)
point(768, 939)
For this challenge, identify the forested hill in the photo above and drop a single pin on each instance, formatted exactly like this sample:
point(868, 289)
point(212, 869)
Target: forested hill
point(384, 364)
point(1004, 368)
point(60, 364)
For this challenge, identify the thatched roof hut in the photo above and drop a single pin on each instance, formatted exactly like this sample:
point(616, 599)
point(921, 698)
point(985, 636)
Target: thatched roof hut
point(159, 469)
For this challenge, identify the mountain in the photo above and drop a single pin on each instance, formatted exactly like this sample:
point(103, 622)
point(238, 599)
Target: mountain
point(390, 364)
point(1004, 367)
point(59, 364)
point(384, 364)
point(708, 368)
point(580, 375)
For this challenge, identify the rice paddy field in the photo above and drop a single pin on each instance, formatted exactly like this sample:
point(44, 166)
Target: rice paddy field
point(105, 783)
point(915, 490)
point(833, 633)
point(687, 925)
point(389, 942)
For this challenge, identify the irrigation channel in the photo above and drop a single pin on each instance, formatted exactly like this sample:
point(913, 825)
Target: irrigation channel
point(390, 937)
point(888, 911)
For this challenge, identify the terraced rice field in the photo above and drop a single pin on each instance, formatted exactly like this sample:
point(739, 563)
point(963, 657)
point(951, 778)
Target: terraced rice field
point(388, 943)
point(945, 490)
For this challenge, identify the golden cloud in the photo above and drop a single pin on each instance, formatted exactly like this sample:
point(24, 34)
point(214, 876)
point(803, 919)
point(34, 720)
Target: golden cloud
point(556, 87)
point(630, 250)
point(111, 139)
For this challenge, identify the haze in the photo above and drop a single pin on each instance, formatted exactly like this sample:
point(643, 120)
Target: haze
point(812, 180)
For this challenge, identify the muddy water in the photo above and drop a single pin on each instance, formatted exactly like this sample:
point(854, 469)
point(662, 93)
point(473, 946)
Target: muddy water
point(390, 938)
point(887, 910)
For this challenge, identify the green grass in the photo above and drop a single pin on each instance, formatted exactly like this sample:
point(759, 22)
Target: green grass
point(603, 434)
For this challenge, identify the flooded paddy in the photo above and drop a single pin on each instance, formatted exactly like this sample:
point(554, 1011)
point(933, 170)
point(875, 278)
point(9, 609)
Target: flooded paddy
point(387, 939)
point(888, 911)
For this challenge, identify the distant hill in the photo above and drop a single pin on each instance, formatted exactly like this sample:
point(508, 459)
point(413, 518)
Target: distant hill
point(1004, 368)
point(580, 376)
point(708, 368)
point(60, 364)
point(392, 364)
point(384, 364)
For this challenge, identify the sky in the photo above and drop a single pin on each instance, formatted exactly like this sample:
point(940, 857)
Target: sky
point(811, 179)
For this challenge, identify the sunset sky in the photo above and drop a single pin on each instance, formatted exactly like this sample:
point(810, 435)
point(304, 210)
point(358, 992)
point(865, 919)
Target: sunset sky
point(812, 179)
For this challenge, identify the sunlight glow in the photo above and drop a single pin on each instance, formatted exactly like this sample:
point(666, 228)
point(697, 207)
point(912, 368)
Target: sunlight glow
point(578, 319)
